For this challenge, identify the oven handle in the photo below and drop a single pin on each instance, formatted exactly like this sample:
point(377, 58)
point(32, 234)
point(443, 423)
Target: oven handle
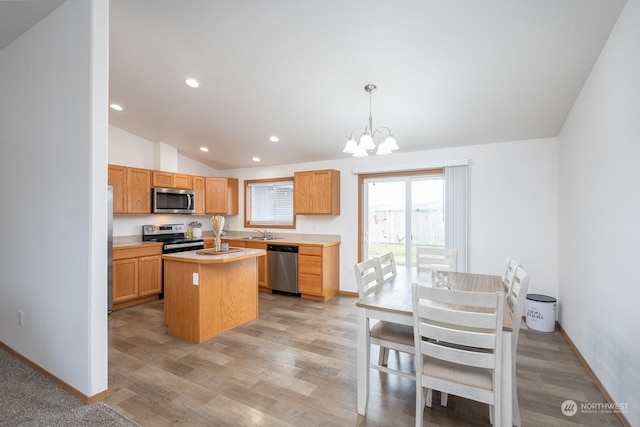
point(193, 245)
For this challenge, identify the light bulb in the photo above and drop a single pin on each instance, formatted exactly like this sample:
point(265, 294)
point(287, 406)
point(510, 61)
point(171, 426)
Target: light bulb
point(391, 143)
point(351, 146)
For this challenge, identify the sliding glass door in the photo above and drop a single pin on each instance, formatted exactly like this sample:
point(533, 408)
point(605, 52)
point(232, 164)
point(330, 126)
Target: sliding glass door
point(401, 212)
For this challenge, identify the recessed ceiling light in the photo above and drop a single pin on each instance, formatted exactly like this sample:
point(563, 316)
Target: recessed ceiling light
point(205, 149)
point(115, 107)
point(192, 83)
point(274, 138)
point(256, 159)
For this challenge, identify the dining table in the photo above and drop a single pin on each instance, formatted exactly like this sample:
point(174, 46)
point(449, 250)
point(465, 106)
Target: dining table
point(392, 302)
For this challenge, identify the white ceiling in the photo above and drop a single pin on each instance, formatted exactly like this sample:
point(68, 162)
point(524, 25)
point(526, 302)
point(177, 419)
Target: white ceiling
point(449, 73)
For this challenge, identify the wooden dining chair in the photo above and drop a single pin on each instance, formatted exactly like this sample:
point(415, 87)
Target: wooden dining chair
point(388, 267)
point(515, 300)
point(458, 345)
point(507, 276)
point(386, 335)
point(437, 258)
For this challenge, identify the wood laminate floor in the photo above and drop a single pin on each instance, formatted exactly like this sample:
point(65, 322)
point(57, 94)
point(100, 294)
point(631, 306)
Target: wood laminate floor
point(296, 366)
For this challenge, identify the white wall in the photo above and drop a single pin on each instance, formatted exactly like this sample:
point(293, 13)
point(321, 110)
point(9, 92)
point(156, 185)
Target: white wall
point(53, 152)
point(599, 201)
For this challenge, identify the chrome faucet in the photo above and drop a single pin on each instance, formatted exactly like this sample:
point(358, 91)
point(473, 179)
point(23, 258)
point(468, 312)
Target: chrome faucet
point(265, 234)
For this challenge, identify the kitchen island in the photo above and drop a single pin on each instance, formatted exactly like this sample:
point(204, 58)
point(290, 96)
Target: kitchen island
point(206, 295)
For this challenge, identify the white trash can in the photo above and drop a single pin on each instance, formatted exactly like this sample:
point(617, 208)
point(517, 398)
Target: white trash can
point(541, 312)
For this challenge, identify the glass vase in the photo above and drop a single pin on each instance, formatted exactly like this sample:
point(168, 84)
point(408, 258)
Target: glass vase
point(216, 243)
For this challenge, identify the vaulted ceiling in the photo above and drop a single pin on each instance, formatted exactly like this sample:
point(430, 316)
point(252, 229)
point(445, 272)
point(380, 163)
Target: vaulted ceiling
point(448, 73)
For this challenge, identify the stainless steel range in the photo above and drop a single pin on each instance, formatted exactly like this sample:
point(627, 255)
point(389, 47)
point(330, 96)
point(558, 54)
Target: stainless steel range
point(172, 238)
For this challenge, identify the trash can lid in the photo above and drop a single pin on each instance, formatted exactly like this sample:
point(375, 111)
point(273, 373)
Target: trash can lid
point(540, 298)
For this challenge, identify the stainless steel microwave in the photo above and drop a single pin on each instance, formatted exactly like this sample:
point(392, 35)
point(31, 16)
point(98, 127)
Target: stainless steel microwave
point(172, 201)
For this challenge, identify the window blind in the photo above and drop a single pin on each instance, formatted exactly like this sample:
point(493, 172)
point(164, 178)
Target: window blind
point(270, 203)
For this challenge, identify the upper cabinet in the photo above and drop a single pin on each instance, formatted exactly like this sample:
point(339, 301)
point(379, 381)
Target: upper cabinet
point(198, 189)
point(316, 192)
point(138, 184)
point(117, 179)
point(221, 196)
point(131, 189)
point(172, 180)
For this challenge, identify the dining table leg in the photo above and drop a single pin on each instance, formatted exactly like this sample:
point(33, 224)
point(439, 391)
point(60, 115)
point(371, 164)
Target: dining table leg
point(363, 356)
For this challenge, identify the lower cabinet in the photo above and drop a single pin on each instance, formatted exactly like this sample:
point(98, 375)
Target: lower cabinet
point(319, 271)
point(262, 265)
point(137, 275)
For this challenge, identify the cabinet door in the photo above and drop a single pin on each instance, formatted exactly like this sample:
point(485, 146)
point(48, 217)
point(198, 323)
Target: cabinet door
point(216, 196)
point(117, 179)
point(321, 195)
point(221, 196)
point(149, 275)
point(303, 193)
point(162, 179)
point(198, 188)
point(182, 181)
point(125, 279)
point(138, 191)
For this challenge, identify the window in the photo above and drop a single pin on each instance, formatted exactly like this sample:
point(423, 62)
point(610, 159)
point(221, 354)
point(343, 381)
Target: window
point(269, 203)
point(404, 210)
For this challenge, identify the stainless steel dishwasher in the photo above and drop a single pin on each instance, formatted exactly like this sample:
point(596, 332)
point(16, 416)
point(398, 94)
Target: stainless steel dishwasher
point(282, 265)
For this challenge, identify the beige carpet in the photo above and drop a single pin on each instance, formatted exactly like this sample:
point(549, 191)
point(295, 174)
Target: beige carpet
point(29, 399)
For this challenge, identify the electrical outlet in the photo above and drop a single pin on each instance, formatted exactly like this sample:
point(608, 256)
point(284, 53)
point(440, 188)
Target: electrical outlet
point(20, 318)
point(196, 279)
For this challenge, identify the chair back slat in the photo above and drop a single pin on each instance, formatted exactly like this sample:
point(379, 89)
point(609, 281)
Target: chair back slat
point(437, 258)
point(388, 268)
point(458, 355)
point(453, 315)
point(510, 271)
point(368, 276)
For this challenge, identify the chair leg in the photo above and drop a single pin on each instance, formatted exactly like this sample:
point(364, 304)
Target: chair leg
point(444, 397)
point(492, 409)
point(383, 356)
point(421, 394)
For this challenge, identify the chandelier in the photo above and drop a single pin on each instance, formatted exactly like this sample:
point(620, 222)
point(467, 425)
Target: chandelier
point(367, 144)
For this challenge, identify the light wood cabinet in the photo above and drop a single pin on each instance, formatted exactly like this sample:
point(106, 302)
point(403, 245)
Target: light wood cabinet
point(172, 180)
point(137, 275)
point(221, 196)
point(117, 178)
point(198, 189)
point(131, 189)
point(316, 192)
point(319, 271)
point(138, 184)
